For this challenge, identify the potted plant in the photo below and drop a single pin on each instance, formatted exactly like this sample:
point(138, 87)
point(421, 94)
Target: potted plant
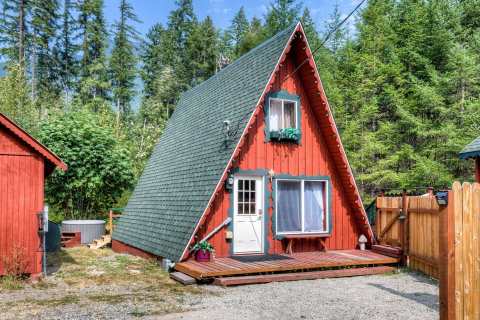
point(203, 251)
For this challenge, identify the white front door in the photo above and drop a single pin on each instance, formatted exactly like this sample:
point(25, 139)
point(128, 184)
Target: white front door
point(248, 215)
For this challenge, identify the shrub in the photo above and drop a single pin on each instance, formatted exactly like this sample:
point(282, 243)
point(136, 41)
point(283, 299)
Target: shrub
point(99, 166)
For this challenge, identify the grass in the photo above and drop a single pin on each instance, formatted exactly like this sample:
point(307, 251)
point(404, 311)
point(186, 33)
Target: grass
point(81, 276)
point(11, 283)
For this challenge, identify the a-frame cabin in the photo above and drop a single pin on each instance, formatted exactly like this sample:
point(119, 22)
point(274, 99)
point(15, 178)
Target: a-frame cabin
point(252, 160)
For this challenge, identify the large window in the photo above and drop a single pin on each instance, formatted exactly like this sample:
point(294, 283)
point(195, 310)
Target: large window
point(301, 206)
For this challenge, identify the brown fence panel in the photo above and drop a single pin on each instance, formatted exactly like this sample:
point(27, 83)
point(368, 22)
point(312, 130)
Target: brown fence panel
point(387, 225)
point(460, 254)
point(423, 234)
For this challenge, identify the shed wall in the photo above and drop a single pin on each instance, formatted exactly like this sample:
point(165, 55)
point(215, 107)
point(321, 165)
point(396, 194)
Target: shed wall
point(21, 198)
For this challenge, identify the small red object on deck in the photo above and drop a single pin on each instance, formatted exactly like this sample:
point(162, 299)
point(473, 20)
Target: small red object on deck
point(202, 256)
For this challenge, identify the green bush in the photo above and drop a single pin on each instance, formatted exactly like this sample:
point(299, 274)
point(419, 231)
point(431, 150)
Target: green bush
point(99, 166)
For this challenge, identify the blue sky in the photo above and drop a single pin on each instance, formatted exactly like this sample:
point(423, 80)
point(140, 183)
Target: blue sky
point(221, 11)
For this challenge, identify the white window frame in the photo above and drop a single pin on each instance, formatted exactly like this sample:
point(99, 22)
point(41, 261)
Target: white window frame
point(283, 111)
point(302, 206)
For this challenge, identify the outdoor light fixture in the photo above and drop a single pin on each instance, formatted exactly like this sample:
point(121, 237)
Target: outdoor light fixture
point(229, 183)
point(226, 131)
point(442, 198)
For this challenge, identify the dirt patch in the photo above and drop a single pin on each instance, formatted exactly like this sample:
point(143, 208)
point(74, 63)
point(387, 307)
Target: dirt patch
point(95, 284)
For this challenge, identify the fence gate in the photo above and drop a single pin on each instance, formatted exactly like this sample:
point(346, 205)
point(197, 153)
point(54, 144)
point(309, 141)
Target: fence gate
point(412, 224)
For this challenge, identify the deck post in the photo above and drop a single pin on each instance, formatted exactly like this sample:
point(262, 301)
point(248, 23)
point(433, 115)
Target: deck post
point(447, 260)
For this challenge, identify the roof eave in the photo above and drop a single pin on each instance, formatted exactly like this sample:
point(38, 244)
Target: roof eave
point(32, 142)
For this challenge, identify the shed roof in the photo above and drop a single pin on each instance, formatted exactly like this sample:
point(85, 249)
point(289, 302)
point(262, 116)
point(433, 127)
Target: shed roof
point(471, 150)
point(52, 159)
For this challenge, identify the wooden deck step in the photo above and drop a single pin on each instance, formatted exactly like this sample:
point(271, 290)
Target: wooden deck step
point(390, 251)
point(100, 243)
point(182, 278)
point(256, 279)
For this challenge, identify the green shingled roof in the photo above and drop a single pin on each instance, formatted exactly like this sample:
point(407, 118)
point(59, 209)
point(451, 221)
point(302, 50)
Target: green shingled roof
point(472, 150)
point(190, 157)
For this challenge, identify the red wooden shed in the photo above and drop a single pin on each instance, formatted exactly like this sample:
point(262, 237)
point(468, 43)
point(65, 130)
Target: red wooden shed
point(24, 164)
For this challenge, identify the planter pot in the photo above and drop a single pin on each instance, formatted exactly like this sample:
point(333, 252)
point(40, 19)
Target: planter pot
point(202, 256)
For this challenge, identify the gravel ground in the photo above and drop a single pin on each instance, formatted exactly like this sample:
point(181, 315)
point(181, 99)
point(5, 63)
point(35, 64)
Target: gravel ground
point(398, 296)
point(100, 284)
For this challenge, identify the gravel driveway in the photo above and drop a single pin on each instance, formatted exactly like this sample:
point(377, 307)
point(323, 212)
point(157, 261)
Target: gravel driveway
point(399, 296)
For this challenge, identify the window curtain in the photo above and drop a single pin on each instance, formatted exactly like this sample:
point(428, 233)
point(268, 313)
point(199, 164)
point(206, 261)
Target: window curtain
point(275, 115)
point(289, 114)
point(288, 206)
point(314, 206)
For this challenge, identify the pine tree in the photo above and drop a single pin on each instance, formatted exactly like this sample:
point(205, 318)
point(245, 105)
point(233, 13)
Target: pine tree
point(337, 37)
point(181, 23)
point(202, 51)
point(153, 60)
point(66, 50)
point(254, 36)
point(13, 30)
point(45, 82)
point(281, 14)
point(237, 31)
point(93, 86)
point(123, 60)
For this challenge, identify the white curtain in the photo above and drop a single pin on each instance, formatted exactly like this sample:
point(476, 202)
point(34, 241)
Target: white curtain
point(314, 206)
point(289, 114)
point(288, 206)
point(275, 115)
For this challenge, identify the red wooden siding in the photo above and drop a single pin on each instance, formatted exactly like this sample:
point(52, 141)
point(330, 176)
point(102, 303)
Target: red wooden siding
point(311, 158)
point(21, 198)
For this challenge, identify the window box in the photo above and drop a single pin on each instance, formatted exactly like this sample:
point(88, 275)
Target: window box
point(289, 134)
point(282, 117)
point(302, 206)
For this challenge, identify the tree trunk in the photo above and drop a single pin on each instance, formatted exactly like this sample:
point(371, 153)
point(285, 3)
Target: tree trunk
point(21, 34)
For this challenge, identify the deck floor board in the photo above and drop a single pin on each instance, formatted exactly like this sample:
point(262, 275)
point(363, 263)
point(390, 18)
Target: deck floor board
point(298, 261)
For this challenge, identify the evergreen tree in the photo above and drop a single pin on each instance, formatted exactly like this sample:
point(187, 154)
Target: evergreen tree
point(254, 36)
point(44, 27)
point(66, 50)
point(337, 37)
point(237, 30)
point(153, 59)
point(181, 23)
point(281, 14)
point(202, 51)
point(13, 30)
point(123, 60)
point(93, 86)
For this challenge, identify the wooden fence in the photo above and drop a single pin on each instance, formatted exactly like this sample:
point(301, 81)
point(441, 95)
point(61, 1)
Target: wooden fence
point(424, 242)
point(412, 224)
point(460, 254)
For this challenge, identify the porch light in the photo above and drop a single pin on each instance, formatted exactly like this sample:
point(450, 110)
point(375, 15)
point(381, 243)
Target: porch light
point(229, 183)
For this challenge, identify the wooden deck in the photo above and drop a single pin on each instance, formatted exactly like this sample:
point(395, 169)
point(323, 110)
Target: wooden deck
point(299, 262)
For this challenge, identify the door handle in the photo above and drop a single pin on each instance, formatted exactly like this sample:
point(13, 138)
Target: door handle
point(260, 212)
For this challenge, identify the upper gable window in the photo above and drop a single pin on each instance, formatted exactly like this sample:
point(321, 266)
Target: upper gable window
point(283, 114)
point(283, 117)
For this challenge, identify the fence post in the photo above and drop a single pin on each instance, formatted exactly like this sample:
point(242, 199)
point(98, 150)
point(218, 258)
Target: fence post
point(404, 228)
point(447, 259)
